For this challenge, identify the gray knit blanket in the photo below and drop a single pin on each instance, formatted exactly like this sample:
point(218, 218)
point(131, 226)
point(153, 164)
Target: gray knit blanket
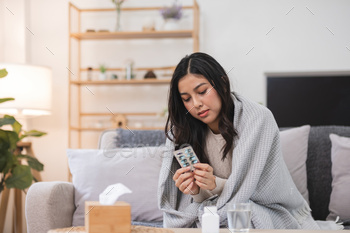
point(259, 176)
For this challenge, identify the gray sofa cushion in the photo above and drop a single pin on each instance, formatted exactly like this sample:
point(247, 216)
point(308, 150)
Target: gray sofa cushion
point(319, 167)
point(139, 138)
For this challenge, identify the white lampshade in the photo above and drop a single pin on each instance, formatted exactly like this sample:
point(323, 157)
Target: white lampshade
point(30, 86)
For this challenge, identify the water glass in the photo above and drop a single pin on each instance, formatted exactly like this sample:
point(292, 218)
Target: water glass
point(238, 216)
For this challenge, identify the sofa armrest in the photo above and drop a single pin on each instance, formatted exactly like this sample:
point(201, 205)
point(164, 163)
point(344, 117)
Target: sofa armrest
point(49, 205)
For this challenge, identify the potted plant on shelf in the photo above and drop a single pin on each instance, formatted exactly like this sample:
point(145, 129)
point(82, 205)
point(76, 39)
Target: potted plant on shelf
point(171, 16)
point(14, 174)
point(103, 75)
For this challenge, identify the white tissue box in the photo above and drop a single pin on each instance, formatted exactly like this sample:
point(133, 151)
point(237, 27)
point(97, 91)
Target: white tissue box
point(107, 218)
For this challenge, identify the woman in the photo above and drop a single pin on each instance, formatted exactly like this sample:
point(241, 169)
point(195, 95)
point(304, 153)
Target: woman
point(238, 146)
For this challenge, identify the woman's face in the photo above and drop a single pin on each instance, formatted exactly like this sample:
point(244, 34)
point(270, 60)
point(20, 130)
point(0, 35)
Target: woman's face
point(201, 100)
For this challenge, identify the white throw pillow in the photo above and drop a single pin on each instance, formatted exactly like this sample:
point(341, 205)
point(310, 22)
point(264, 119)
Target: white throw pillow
point(136, 168)
point(339, 204)
point(294, 143)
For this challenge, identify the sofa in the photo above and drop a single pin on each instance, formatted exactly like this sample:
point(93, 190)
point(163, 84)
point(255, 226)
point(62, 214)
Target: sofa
point(51, 205)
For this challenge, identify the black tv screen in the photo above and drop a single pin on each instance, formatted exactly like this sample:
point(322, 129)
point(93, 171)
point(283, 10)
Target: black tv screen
point(314, 100)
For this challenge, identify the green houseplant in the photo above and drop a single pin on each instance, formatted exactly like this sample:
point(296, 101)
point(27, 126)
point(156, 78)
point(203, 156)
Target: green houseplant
point(103, 75)
point(14, 174)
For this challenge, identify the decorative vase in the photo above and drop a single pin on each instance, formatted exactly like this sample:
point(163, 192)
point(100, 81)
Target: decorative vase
point(170, 24)
point(117, 26)
point(102, 76)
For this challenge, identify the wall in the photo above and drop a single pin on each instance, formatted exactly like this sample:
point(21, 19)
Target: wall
point(267, 36)
point(13, 28)
point(2, 24)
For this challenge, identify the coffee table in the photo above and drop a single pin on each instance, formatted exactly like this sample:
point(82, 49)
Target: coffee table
point(222, 230)
point(188, 230)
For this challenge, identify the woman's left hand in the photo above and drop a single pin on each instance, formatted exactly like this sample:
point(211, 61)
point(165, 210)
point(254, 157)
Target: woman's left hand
point(204, 176)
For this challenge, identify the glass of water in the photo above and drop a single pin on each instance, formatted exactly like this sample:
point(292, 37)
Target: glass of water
point(238, 216)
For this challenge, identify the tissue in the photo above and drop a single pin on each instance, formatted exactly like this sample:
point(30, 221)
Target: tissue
point(111, 194)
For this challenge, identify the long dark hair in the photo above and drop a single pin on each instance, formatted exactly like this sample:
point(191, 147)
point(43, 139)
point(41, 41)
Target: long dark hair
point(181, 127)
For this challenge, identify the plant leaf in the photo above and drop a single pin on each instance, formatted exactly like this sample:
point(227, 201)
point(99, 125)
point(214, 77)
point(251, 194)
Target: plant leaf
point(8, 139)
point(4, 144)
point(6, 121)
point(7, 160)
point(21, 177)
point(2, 100)
point(3, 73)
point(32, 162)
point(33, 133)
point(16, 126)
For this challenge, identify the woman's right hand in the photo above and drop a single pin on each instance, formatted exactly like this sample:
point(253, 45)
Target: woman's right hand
point(184, 180)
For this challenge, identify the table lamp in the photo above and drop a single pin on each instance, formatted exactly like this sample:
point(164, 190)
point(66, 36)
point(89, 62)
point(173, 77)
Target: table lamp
point(30, 85)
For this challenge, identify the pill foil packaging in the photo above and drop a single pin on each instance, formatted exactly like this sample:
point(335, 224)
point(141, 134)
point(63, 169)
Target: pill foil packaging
point(186, 157)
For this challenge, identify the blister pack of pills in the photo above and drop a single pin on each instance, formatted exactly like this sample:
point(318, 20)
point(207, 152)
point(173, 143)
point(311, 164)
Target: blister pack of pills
point(186, 157)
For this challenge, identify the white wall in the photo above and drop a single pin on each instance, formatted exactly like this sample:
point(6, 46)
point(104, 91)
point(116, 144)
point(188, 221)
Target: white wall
point(13, 31)
point(298, 41)
point(2, 22)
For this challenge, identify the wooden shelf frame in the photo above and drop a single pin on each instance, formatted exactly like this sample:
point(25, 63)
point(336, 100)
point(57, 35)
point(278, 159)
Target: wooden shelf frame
point(124, 8)
point(133, 35)
point(194, 33)
point(79, 36)
point(169, 68)
point(122, 82)
point(104, 128)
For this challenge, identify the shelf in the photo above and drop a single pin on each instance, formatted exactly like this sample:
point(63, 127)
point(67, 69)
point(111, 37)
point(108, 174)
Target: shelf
point(118, 113)
point(172, 68)
point(86, 65)
point(102, 129)
point(132, 35)
point(124, 82)
point(124, 9)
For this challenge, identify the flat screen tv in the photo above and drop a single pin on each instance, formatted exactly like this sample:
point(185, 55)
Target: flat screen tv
point(309, 98)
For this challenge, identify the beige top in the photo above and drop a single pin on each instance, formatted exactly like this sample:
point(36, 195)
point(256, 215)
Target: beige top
point(222, 169)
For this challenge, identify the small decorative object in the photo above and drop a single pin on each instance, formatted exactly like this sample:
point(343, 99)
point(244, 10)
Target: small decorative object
point(103, 75)
point(103, 30)
point(99, 124)
point(114, 76)
point(89, 73)
point(138, 125)
point(129, 69)
point(90, 30)
point(119, 121)
point(148, 25)
point(171, 15)
point(150, 74)
point(118, 4)
point(164, 112)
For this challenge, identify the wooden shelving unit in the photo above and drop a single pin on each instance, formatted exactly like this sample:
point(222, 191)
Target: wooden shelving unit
point(121, 82)
point(75, 79)
point(132, 35)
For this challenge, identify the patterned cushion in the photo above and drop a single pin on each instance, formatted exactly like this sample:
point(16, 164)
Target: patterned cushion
point(139, 138)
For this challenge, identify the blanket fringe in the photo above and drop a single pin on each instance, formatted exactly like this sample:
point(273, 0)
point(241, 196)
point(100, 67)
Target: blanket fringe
point(302, 213)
